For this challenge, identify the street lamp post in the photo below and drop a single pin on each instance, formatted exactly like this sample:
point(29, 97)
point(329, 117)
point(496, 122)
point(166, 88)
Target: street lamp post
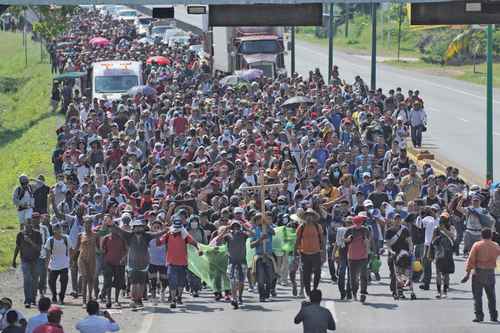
point(489, 105)
point(373, 81)
point(330, 43)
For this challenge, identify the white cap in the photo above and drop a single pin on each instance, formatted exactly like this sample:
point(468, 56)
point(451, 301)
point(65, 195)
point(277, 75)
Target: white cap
point(367, 203)
point(238, 210)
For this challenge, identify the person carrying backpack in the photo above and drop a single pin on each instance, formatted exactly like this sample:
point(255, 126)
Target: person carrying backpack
point(23, 199)
point(442, 243)
point(57, 248)
point(309, 243)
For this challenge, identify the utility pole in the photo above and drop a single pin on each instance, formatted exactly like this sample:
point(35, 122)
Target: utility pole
point(489, 105)
point(399, 28)
point(373, 77)
point(347, 14)
point(25, 40)
point(292, 51)
point(330, 43)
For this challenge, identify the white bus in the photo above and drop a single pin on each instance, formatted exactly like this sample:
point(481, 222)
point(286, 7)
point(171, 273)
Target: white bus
point(112, 79)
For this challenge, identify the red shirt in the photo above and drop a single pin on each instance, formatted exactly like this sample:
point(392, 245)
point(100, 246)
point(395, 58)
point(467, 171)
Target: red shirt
point(49, 328)
point(114, 249)
point(177, 250)
point(180, 125)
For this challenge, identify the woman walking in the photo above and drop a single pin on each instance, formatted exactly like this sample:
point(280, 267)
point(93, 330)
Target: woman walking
point(87, 245)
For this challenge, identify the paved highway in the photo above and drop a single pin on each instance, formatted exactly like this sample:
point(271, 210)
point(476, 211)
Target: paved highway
point(380, 313)
point(456, 109)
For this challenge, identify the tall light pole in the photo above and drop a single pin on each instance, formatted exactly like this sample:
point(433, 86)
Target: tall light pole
point(373, 77)
point(330, 43)
point(489, 105)
point(292, 51)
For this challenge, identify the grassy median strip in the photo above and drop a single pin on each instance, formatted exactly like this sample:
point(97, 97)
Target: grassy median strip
point(26, 128)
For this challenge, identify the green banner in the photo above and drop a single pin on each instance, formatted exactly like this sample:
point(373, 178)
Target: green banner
point(211, 267)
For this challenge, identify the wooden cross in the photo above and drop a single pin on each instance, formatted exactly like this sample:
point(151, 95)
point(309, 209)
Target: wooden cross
point(262, 187)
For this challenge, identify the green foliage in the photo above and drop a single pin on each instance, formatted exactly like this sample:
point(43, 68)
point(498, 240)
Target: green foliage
point(54, 19)
point(26, 129)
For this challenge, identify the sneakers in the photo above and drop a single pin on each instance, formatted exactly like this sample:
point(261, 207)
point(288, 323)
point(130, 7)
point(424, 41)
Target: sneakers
point(173, 305)
point(477, 320)
point(234, 303)
point(424, 287)
point(363, 298)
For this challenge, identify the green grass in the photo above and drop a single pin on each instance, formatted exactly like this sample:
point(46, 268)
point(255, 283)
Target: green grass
point(358, 39)
point(464, 73)
point(26, 128)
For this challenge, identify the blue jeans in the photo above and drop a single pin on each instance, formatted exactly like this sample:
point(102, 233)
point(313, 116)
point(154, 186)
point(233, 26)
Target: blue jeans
point(30, 279)
point(343, 268)
point(42, 274)
point(427, 267)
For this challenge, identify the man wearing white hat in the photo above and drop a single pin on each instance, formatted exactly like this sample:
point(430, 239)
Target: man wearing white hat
point(176, 240)
point(138, 257)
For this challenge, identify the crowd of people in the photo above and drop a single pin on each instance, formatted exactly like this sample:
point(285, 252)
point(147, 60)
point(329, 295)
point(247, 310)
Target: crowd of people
point(142, 179)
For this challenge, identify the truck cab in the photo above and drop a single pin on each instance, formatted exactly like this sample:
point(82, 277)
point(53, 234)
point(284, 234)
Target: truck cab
point(263, 52)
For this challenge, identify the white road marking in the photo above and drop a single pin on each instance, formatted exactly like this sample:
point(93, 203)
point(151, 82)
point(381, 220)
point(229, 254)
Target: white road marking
point(496, 133)
point(147, 323)
point(462, 119)
point(330, 305)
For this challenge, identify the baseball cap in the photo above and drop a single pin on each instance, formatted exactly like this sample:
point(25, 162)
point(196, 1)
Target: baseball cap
point(367, 203)
point(238, 210)
point(55, 309)
point(366, 174)
point(358, 220)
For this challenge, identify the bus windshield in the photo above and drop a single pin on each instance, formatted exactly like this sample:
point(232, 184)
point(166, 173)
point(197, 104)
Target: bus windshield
point(115, 84)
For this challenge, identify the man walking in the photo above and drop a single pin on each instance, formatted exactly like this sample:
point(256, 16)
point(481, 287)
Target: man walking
point(262, 241)
point(418, 122)
point(309, 243)
point(482, 259)
point(57, 248)
point(176, 241)
point(23, 199)
point(29, 243)
point(358, 239)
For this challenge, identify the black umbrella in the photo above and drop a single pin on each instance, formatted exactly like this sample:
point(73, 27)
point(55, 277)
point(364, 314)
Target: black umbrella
point(297, 100)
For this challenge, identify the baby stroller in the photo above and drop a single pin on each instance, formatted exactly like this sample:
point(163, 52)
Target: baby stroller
point(403, 271)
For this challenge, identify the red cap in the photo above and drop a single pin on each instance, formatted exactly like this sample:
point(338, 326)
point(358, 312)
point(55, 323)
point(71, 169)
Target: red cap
point(55, 309)
point(358, 220)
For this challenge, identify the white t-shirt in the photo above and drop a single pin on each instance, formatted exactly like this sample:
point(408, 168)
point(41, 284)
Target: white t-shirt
point(429, 223)
point(59, 255)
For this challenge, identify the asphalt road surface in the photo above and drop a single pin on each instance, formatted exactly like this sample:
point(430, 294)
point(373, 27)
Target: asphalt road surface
point(381, 313)
point(456, 110)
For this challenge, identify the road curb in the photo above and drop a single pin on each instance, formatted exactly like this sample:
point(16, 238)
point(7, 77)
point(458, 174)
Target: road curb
point(439, 166)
